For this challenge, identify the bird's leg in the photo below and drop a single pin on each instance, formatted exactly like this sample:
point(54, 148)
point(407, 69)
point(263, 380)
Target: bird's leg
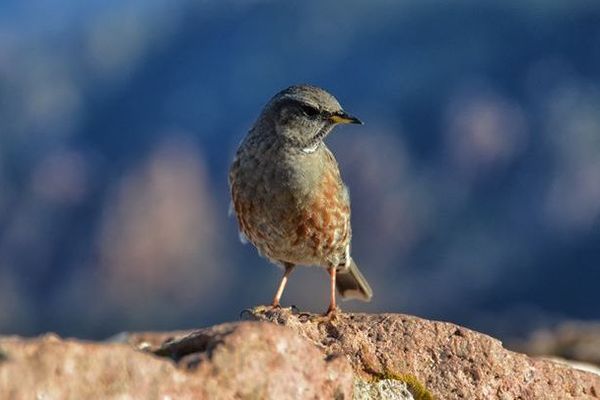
point(332, 307)
point(288, 270)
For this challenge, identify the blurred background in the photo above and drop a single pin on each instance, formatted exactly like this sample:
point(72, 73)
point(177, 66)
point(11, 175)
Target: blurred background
point(475, 180)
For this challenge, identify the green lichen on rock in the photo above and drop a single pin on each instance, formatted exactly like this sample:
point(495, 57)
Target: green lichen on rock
point(389, 389)
point(416, 387)
point(400, 385)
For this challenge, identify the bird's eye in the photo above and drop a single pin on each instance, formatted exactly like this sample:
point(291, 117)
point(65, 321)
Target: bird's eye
point(309, 110)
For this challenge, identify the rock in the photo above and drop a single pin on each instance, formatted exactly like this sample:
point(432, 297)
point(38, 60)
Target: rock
point(436, 359)
point(280, 354)
point(247, 360)
point(388, 389)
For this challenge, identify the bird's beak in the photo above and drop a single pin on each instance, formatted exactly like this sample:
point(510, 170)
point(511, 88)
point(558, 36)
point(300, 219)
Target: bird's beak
point(343, 118)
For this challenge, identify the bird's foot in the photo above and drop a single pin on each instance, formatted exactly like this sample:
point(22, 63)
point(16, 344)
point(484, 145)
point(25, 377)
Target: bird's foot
point(246, 314)
point(278, 306)
point(332, 311)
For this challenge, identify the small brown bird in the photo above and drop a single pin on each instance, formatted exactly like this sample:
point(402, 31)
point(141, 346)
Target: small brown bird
point(288, 194)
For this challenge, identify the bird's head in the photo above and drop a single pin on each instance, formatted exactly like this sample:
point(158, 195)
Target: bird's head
point(305, 115)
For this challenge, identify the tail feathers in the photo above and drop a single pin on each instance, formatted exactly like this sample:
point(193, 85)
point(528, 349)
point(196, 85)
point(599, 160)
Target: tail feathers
point(351, 284)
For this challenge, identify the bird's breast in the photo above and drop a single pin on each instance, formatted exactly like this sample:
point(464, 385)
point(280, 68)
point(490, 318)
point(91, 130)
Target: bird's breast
point(292, 206)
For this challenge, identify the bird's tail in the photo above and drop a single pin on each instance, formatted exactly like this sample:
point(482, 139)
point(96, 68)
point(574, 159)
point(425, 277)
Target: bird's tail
point(351, 284)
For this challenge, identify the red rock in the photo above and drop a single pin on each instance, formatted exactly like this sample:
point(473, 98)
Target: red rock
point(248, 360)
point(305, 357)
point(443, 359)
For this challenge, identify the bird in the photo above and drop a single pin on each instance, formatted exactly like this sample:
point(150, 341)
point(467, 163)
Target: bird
point(288, 194)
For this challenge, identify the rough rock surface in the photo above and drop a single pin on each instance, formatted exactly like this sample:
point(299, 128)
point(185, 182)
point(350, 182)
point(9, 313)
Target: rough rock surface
point(233, 361)
point(437, 358)
point(388, 389)
point(305, 357)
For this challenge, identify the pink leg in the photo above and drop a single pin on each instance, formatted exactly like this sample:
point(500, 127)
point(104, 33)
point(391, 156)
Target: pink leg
point(284, 279)
point(332, 306)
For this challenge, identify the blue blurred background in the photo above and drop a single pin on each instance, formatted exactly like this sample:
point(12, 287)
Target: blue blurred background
point(475, 181)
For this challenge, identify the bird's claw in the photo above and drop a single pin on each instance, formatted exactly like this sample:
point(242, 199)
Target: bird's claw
point(246, 313)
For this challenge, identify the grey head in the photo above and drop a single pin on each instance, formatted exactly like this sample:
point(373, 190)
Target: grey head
point(303, 115)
